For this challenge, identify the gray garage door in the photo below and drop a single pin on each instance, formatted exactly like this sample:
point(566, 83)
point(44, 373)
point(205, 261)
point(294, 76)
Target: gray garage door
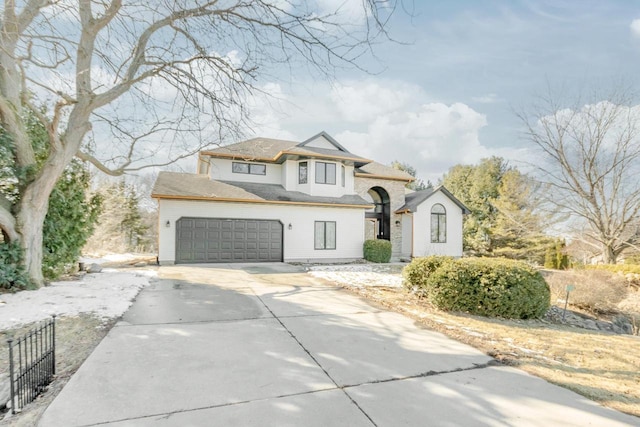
point(228, 240)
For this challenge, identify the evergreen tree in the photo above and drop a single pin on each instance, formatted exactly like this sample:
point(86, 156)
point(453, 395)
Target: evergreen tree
point(70, 221)
point(123, 228)
point(416, 185)
point(72, 212)
point(505, 219)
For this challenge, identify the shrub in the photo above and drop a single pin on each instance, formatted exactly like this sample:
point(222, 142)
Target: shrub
point(416, 273)
point(489, 287)
point(598, 292)
point(13, 276)
point(70, 220)
point(377, 250)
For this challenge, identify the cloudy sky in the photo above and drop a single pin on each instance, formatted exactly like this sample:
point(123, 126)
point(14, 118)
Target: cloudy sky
point(448, 92)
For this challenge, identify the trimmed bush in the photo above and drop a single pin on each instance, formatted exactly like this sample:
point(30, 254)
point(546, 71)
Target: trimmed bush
point(377, 250)
point(483, 286)
point(416, 273)
point(13, 276)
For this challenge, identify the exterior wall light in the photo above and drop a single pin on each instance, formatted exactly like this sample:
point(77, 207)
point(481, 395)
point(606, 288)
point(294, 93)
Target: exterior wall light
point(167, 224)
point(397, 223)
point(290, 226)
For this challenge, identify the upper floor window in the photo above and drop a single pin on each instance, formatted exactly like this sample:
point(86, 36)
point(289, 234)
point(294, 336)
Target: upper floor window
point(302, 172)
point(325, 173)
point(438, 224)
point(250, 168)
point(343, 173)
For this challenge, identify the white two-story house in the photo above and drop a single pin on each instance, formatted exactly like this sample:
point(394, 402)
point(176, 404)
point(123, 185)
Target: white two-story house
point(311, 201)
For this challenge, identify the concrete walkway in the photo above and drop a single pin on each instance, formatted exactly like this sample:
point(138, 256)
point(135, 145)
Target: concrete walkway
point(268, 345)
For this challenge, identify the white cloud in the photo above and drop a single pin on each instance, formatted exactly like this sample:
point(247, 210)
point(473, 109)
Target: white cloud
point(490, 98)
point(432, 138)
point(364, 101)
point(267, 111)
point(379, 119)
point(347, 11)
point(635, 27)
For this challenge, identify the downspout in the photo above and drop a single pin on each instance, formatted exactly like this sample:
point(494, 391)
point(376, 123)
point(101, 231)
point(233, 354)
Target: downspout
point(412, 231)
point(158, 235)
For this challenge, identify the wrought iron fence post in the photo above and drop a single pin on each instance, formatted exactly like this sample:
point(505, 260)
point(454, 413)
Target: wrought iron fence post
point(53, 344)
point(35, 367)
point(13, 405)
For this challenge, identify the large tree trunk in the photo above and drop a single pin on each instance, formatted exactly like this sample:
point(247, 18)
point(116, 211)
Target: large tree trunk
point(31, 220)
point(609, 255)
point(34, 204)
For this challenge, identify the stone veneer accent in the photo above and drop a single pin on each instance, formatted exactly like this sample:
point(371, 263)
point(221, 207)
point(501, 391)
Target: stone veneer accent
point(395, 189)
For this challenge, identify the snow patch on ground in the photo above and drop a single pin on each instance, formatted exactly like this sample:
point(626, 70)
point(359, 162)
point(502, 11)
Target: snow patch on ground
point(114, 258)
point(360, 275)
point(107, 295)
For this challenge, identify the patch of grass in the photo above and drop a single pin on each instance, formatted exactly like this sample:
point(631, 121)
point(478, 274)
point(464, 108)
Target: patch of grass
point(76, 337)
point(599, 366)
point(596, 291)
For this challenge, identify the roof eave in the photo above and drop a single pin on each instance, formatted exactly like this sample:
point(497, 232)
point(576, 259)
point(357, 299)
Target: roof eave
point(263, 201)
point(391, 178)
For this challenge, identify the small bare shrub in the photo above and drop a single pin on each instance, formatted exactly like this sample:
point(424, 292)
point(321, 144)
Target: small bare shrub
point(596, 291)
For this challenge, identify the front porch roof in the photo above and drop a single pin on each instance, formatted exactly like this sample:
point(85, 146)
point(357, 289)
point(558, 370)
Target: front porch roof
point(415, 199)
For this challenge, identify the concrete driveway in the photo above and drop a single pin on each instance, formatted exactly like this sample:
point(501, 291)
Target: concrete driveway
point(268, 345)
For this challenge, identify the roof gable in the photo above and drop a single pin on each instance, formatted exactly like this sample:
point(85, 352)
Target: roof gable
point(323, 140)
point(415, 199)
point(321, 146)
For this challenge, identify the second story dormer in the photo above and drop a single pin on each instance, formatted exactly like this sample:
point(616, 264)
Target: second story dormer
point(319, 166)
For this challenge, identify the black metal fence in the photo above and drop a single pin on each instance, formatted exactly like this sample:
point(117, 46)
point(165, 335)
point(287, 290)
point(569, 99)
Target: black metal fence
point(32, 363)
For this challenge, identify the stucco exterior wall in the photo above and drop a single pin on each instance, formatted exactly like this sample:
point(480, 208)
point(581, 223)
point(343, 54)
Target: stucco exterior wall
point(298, 242)
point(395, 189)
point(422, 245)
point(220, 169)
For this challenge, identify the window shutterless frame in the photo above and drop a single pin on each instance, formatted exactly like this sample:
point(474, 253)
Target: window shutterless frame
point(438, 224)
point(325, 173)
point(249, 168)
point(324, 235)
point(303, 172)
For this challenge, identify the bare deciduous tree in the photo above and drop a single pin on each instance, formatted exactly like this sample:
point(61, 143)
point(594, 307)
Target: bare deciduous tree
point(590, 159)
point(133, 83)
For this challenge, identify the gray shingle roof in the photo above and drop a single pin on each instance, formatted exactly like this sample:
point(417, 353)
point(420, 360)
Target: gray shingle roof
point(253, 149)
point(376, 169)
point(173, 185)
point(413, 200)
point(277, 150)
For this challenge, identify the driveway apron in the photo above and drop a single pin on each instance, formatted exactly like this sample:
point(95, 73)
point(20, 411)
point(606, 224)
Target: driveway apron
point(268, 345)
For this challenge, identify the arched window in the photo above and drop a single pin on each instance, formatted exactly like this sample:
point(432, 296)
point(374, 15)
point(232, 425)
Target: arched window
point(438, 224)
point(381, 213)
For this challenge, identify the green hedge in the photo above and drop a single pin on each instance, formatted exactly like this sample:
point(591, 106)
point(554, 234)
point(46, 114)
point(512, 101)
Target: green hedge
point(487, 287)
point(13, 276)
point(416, 273)
point(377, 250)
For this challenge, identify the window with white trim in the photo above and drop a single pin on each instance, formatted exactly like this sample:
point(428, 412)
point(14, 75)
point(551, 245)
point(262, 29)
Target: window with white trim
point(249, 168)
point(325, 235)
point(438, 224)
point(325, 173)
point(303, 169)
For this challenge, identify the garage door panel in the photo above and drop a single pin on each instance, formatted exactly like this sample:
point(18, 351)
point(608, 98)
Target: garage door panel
point(200, 223)
point(228, 240)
